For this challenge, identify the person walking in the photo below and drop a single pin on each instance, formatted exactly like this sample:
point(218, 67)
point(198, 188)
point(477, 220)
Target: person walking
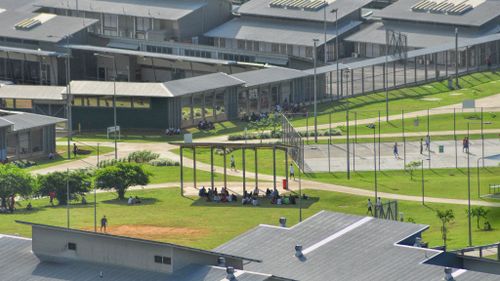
point(233, 163)
point(370, 207)
point(292, 171)
point(464, 144)
point(75, 149)
point(378, 206)
point(421, 146)
point(428, 143)
point(467, 145)
point(104, 223)
point(395, 150)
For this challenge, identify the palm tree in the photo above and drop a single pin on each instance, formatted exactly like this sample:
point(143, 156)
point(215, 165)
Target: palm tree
point(478, 213)
point(445, 217)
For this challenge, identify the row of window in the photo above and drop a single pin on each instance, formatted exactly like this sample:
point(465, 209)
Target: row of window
point(158, 49)
point(16, 104)
point(197, 53)
point(123, 102)
point(157, 259)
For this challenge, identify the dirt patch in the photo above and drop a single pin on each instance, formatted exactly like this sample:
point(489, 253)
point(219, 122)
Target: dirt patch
point(150, 232)
point(430, 99)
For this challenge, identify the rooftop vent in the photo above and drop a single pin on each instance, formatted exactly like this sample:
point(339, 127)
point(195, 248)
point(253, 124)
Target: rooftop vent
point(447, 274)
point(298, 251)
point(283, 222)
point(306, 5)
point(449, 7)
point(28, 24)
point(230, 273)
point(221, 261)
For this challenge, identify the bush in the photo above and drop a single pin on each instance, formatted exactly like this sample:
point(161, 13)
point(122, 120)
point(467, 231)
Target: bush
point(255, 136)
point(142, 156)
point(163, 162)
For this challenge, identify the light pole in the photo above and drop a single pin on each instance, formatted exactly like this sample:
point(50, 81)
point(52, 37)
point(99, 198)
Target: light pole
point(315, 41)
point(114, 97)
point(324, 31)
point(456, 58)
point(468, 190)
point(337, 50)
point(478, 179)
point(386, 83)
point(375, 162)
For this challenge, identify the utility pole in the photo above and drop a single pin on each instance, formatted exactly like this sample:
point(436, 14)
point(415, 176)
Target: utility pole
point(315, 41)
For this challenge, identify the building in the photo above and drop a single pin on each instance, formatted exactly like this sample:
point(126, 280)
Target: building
point(429, 23)
point(326, 246)
point(26, 135)
point(289, 27)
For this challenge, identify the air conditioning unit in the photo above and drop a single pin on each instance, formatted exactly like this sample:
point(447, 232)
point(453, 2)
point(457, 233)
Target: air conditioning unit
point(355, 55)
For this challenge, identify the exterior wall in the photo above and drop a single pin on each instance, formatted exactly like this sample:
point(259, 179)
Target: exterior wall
point(197, 23)
point(52, 245)
point(30, 143)
point(157, 116)
point(184, 258)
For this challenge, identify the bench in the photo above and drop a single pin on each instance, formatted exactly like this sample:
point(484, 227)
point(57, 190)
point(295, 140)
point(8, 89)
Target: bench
point(494, 188)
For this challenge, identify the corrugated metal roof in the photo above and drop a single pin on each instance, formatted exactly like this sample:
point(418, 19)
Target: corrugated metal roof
point(149, 54)
point(263, 8)
point(24, 120)
point(269, 75)
point(4, 123)
point(276, 31)
point(32, 92)
point(480, 15)
point(17, 263)
point(106, 88)
point(158, 9)
point(201, 83)
point(31, 51)
point(53, 30)
point(367, 252)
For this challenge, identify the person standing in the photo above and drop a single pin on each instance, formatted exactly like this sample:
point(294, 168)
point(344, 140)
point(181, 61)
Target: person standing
point(75, 149)
point(370, 207)
point(104, 223)
point(421, 146)
point(464, 144)
point(395, 151)
point(292, 171)
point(428, 143)
point(467, 145)
point(233, 163)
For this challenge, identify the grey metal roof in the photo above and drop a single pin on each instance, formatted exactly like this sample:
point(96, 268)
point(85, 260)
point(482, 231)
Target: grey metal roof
point(262, 8)
point(277, 31)
point(269, 75)
point(17, 262)
point(150, 54)
point(25, 121)
point(31, 51)
point(105, 88)
point(53, 30)
point(32, 92)
point(158, 9)
point(201, 83)
point(4, 123)
point(367, 252)
point(418, 36)
point(480, 15)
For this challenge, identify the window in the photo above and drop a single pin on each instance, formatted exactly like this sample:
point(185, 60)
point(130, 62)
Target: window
point(143, 24)
point(283, 48)
point(222, 42)
point(289, 49)
point(123, 102)
point(275, 48)
point(72, 246)
point(309, 52)
point(90, 101)
point(241, 44)
point(26, 104)
point(110, 23)
point(77, 101)
point(163, 260)
point(140, 102)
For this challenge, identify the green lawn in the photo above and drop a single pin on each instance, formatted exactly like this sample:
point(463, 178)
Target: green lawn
point(436, 94)
point(212, 224)
point(369, 139)
point(61, 156)
point(264, 156)
point(172, 174)
point(443, 183)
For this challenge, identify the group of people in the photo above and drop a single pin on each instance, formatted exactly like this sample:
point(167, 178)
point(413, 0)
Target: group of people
point(8, 204)
point(255, 116)
point(134, 200)
point(378, 205)
point(427, 144)
point(206, 125)
point(213, 195)
point(172, 131)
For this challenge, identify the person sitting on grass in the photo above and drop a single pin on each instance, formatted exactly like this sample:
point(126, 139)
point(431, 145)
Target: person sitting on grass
point(84, 200)
point(268, 193)
point(202, 192)
point(137, 200)
point(130, 201)
point(216, 198)
point(223, 198)
point(292, 199)
point(305, 197)
point(255, 201)
point(234, 198)
point(29, 207)
point(256, 192)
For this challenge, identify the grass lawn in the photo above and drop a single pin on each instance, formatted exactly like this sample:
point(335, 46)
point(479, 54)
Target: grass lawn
point(172, 174)
point(436, 94)
point(264, 156)
point(62, 154)
point(189, 221)
point(443, 183)
point(369, 139)
point(439, 122)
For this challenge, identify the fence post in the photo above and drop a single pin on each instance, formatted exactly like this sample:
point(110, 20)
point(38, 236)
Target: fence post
point(348, 144)
point(404, 138)
point(455, 136)
point(482, 136)
point(429, 135)
point(379, 140)
point(355, 141)
point(329, 141)
point(307, 127)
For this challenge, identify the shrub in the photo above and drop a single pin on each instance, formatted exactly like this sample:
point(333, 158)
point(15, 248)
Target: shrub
point(163, 162)
point(142, 156)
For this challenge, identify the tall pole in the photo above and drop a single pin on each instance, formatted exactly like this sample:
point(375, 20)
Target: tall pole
point(375, 162)
point(68, 96)
point(404, 137)
point(315, 93)
point(482, 135)
point(337, 50)
point(355, 141)
point(386, 82)
point(455, 136)
point(67, 197)
point(98, 155)
point(324, 31)
point(114, 106)
point(348, 154)
point(379, 140)
point(456, 58)
point(423, 183)
point(478, 179)
point(468, 190)
point(95, 208)
point(329, 141)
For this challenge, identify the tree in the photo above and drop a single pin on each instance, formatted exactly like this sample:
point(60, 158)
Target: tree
point(445, 217)
point(412, 166)
point(478, 213)
point(260, 126)
point(120, 177)
point(14, 181)
point(79, 182)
